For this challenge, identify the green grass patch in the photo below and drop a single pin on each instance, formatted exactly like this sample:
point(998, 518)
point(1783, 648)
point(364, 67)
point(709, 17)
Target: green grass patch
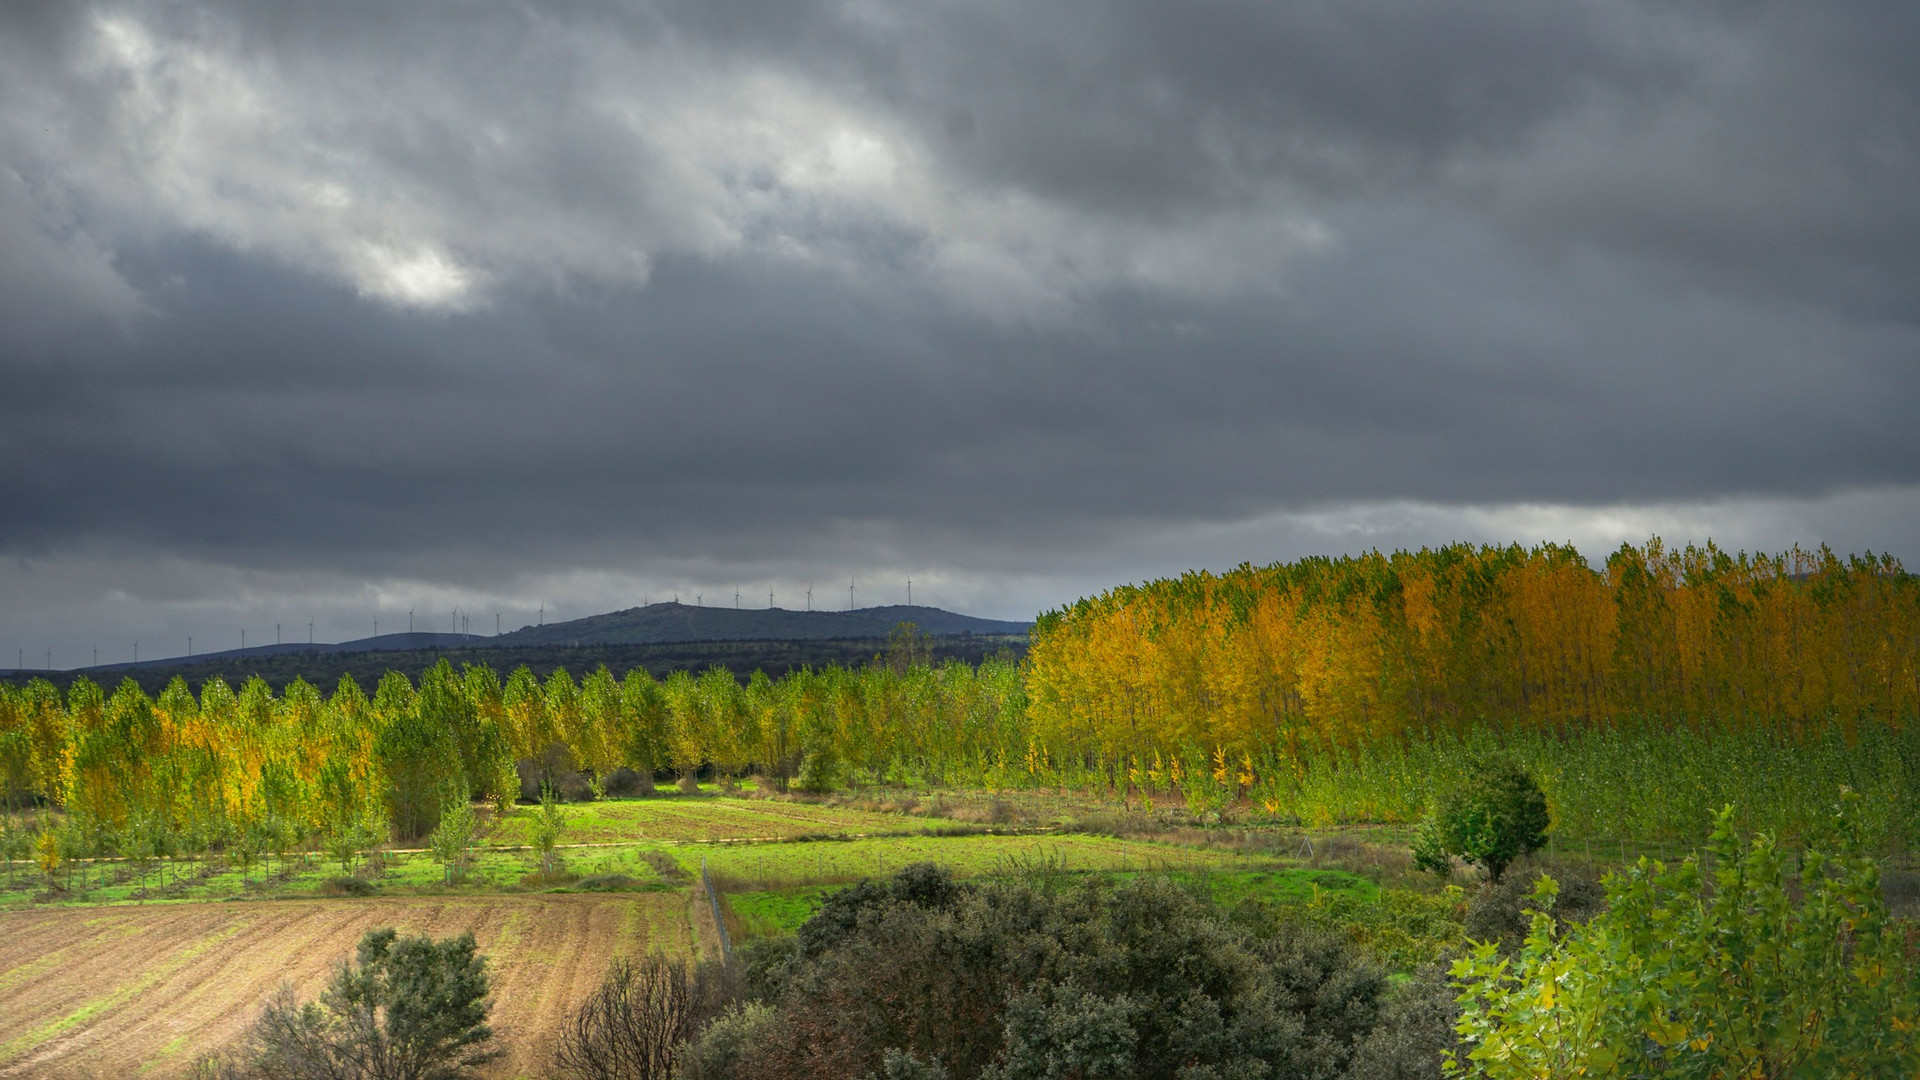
point(679, 817)
point(1291, 885)
point(778, 867)
point(774, 914)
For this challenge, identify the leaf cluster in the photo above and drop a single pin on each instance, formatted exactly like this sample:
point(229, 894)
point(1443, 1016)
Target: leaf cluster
point(1710, 975)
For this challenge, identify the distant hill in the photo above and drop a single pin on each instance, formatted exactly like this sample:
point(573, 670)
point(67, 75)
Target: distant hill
point(323, 669)
point(659, 637)
point(661, 623)
point(384, 643)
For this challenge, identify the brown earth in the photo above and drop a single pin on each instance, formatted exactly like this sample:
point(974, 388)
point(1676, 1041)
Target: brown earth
point(144, 990)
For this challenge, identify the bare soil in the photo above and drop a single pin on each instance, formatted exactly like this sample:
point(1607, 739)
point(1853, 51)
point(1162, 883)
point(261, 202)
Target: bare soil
point(146, 989)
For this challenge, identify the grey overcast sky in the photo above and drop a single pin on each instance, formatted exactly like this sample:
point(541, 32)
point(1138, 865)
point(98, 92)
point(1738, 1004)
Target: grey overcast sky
point(326, 311)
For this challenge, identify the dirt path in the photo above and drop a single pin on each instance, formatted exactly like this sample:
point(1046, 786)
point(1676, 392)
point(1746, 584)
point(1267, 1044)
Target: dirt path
point(143, 990)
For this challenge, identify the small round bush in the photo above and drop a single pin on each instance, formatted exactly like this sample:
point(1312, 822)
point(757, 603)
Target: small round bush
point(1499, 815)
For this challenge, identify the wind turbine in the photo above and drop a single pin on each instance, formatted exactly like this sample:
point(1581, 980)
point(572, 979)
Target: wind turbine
point(769, 599)
point(736, 597)
point(849, 592)
point(409, 620)
point(809, 596)
point(909, 592)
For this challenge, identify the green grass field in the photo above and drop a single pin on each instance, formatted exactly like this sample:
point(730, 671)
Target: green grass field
point(774, 860)
point(707, 818)
point(768, 912)
point(772, 863)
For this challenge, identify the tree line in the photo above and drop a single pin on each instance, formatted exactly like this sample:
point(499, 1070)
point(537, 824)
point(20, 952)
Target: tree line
point(1281, 684)
point(1333, 654)
point(251, 773)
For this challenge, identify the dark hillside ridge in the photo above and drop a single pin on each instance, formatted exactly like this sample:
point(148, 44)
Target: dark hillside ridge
point(655, 624)
point(659, 637)
point(667, 622)
point(324, 669)
point(384, 643)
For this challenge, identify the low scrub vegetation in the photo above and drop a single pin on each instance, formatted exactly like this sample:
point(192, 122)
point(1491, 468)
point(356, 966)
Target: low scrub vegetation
point(921, 975)
point(404, 1008)
point(1705, 973)
point(1746, 969)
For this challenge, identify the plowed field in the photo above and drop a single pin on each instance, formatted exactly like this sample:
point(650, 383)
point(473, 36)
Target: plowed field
point(143, 990)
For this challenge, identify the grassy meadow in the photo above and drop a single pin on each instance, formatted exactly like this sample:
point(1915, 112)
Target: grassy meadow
point(629, 878)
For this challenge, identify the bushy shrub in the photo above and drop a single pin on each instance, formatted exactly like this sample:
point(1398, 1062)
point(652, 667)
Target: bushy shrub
point(919, 976)
point(1496, 817)
point(1687, 977)
point(1415, 1031)
point(726, 1041)
point(405, 1008)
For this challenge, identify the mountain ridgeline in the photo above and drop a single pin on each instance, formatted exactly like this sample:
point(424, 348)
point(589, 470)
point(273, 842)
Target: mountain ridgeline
point(658, 638)
point(662, 623)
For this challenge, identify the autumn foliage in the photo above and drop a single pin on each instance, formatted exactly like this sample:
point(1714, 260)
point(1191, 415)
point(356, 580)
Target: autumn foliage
point(1340, 653)
point(1641, 694)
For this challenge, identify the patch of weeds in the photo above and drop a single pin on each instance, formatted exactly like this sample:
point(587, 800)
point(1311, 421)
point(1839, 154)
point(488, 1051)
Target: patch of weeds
point(666, 866)
point(607, 883)
point(346, 885)
point(1403, 930)
point(556, 879)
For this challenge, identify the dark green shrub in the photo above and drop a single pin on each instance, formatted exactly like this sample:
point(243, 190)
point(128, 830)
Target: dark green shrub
point(728, 1039)
point(1500, 815)
point(1414, 1033)
point(404, 1008)
point(919, 977)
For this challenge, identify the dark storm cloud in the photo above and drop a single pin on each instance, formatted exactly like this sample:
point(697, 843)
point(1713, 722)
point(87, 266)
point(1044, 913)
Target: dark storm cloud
point(442, 293)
